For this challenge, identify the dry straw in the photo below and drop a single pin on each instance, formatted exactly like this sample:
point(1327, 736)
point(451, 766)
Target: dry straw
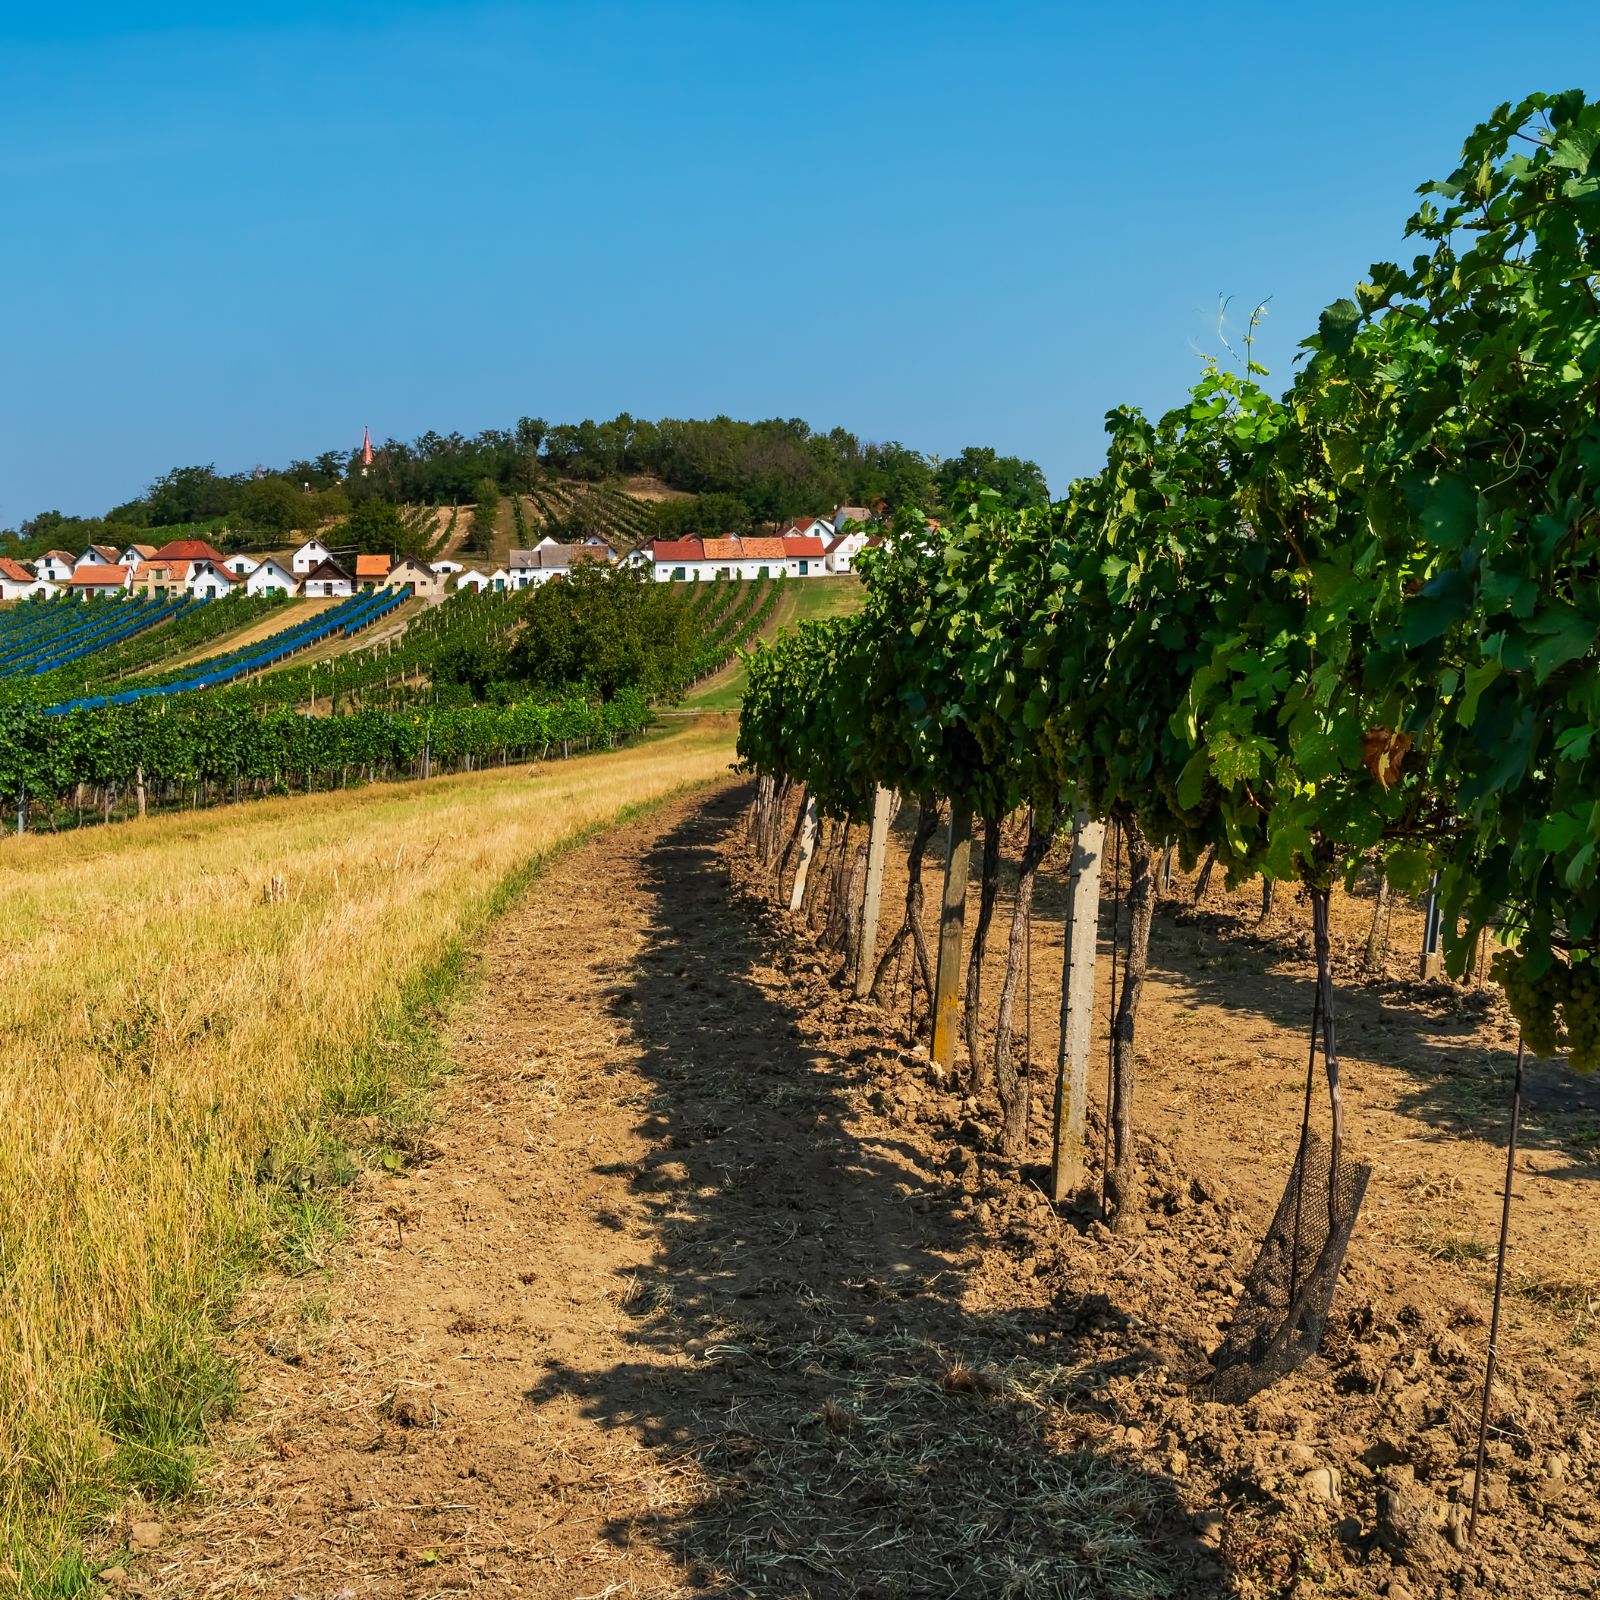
point(181, 1002)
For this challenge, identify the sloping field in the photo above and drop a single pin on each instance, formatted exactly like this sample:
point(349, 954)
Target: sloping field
point(802, 600)
point(184, 1004)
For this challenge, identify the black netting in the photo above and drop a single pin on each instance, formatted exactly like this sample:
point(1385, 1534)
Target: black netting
point(1280, 1316)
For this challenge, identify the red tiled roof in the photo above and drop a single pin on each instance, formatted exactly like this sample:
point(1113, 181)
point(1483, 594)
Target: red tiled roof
point(373, 566)
point(189, 550)
point(763, 549)
point(803, 544)
point(14, 571)
point(677, 549)
point(98, 577)
point(60, 555)
point(723, 549)
point(109, 551)
point(802, 523)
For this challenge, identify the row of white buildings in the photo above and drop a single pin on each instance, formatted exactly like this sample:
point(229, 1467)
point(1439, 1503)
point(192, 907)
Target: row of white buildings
point(809, 547)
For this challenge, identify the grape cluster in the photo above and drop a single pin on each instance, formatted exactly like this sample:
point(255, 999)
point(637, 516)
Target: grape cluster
point(1533, 1001)
point(1582, 1012)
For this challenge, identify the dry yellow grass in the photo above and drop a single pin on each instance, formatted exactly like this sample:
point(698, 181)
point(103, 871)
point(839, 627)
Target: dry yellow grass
point(167, 1019)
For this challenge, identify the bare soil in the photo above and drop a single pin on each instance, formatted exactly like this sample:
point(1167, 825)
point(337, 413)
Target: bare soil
point(707, 1282)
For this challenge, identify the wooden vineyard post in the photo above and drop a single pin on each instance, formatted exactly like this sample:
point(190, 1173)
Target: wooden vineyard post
point(877, 848)
point(952, 917)
point(808, 848)
point(1080, 940)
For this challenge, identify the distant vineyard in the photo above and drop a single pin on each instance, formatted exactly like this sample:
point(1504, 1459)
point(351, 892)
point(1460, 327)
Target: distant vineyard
point(574, 510)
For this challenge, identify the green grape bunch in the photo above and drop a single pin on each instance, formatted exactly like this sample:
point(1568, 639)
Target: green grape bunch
point(1572, 990)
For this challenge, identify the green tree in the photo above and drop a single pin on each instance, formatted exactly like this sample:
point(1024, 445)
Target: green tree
point(705, 516)
point(486, 495)
point(191, 494)
point(271, 506)
point(375, 526)
point(1020, 484)
point(606, 628)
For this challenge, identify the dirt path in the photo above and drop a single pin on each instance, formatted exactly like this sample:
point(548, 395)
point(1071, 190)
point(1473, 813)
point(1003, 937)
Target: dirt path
point(710, 1287)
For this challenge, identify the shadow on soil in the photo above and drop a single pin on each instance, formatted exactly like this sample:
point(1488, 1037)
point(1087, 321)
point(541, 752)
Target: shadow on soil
point(1459, 1087)
point(848, 1426)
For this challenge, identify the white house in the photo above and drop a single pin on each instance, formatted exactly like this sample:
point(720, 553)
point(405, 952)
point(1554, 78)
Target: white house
point(816, 527)
point(704, 560)
point(327, 581)
point(241, 566)
point(97, 555)
point(500, 580)
point(310, 556)
point(548, 560)
point(637, 558)
point(54, 566)
point(270, 577)
point(97, 579)
point(209, 580)
point(16, 582)
point(843, 548)
point(469, 578)
point(448, 568)
point(134, 554)
point(844, 514)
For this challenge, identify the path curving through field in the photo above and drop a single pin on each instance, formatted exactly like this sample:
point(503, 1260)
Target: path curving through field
point(702, 1290)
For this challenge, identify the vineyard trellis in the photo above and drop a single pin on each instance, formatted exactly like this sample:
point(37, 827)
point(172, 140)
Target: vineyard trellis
point(1301, 636)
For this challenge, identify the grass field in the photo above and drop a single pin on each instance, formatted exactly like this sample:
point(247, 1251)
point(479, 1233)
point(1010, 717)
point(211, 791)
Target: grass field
point(201, 1015)
point(802, 600)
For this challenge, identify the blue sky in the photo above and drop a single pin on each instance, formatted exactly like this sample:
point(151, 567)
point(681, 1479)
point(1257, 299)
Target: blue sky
point(238, 233)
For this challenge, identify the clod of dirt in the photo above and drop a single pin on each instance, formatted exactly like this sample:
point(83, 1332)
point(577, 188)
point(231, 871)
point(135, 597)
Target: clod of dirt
point(144, 1535)
point(1405, 1525)
point(407, 1414)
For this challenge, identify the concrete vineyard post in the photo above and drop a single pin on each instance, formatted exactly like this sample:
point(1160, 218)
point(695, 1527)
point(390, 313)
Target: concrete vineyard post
point(1080, 943)
point(952, 918)
point(808, 848)
point(1428, 960)
point(877, 848)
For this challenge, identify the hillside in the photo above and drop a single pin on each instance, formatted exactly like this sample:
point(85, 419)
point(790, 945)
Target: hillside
point(807, 601)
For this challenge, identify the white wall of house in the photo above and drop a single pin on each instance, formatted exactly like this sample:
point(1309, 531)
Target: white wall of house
point(476, 581)
point(241, 566)
point(269, 577)
point(210, 585)
point(445, 568)
point(329, 588)
point(309, 557)
point(91, 558)
point(52, 568)
point(842, 557)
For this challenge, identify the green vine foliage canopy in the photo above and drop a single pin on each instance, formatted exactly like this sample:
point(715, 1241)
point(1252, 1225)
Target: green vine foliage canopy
point(1363, 616)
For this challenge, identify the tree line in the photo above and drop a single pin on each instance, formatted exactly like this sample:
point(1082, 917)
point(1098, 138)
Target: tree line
point(745, 475)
